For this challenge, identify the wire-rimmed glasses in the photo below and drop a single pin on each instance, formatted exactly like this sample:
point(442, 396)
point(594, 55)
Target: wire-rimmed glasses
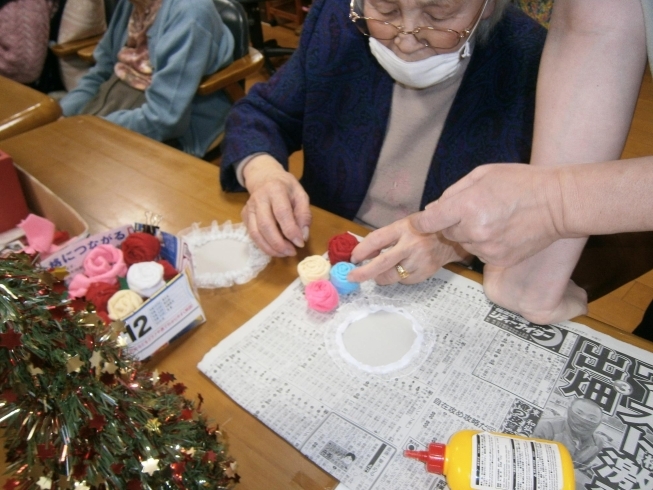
point(434, 37)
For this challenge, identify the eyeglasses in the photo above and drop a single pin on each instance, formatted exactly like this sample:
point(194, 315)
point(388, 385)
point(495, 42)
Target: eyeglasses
point(434, 37)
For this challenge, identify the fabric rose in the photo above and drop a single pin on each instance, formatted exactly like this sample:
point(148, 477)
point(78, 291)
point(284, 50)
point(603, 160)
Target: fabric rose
point(145, 278)
point(321, 296)
point(104, 316)
point(340, 247)
point(168, 270)
point(103, 263)
point(99, 294)
point(39, 233)
point(313, 268)
point(339, 278)
point(123, 303)
point(140, 247)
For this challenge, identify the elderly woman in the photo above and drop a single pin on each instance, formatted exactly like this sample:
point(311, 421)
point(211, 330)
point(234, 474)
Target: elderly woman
point(392, 101)
point(149, 64)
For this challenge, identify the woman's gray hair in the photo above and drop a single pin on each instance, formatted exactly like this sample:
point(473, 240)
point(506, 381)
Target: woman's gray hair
point(485, 26)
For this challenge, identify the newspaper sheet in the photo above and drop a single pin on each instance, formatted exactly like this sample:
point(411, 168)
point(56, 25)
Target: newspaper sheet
point(489, 369)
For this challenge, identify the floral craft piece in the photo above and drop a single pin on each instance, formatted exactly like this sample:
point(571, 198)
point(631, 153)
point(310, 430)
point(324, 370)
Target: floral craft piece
point(338, 276)
point(99, 294)
point(313, 268)
point(317, 269)
point(321, 296)
point(340, 248)
point(145, 278)
point(123, 303)
point(169, 271)
point(102, 264)
point(140, 247)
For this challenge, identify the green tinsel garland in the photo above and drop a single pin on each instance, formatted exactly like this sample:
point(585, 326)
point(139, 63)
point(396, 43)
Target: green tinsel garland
point(76, 412)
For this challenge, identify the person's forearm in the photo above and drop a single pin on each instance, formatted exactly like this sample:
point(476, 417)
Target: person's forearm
point(589, 80)
point(603, 198)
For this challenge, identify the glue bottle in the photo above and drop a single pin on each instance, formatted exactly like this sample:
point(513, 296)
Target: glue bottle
point(474, 459)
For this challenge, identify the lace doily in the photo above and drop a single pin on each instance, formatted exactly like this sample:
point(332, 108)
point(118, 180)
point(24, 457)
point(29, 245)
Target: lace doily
point(379, 336)
point(223, 255)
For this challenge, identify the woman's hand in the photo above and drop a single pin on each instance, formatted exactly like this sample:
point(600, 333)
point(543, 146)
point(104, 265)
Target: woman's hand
point(277, 214)
point(502, 213)
point(419, 254)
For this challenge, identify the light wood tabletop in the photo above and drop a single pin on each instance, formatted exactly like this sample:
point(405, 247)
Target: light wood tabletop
point(23, 108)
point(112, 176)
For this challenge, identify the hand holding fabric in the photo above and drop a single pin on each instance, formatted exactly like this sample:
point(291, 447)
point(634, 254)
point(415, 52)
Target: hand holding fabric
point(277, 214)
point(420, 254)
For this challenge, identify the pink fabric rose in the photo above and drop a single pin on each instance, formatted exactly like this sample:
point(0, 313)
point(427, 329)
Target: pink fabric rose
point(104, 263)
point(321, 295)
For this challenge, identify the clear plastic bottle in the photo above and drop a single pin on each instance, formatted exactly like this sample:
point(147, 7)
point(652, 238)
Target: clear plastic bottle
point(478, 460)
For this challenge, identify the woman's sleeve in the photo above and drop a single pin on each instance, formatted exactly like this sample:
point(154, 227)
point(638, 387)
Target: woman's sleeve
point(193, 42)
point(270, 119)
point(105, 59)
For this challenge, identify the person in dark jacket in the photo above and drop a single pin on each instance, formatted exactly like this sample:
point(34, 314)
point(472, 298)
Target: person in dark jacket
point(391, 101)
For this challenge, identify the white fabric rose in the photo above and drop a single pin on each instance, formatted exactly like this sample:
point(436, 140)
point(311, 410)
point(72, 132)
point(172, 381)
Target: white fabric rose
point(123, 303)
point(313, 268)
point(145, 278)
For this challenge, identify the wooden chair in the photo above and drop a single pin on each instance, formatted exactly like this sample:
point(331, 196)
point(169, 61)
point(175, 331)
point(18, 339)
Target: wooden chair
point(270, 48)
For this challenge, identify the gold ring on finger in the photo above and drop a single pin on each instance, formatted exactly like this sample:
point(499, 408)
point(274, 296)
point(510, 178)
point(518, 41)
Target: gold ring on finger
point(403, 273)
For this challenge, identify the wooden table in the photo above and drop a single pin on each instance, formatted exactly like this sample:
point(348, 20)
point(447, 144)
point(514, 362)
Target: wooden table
point(112, 177)
point(23, 108)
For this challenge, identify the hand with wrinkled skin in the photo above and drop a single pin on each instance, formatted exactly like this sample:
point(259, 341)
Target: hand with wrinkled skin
point(502, 213)
point(420, 254)
point(277, 214)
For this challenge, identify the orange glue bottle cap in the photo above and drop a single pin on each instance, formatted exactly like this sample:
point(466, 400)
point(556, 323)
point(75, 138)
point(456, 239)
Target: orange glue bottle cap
point(433, 457)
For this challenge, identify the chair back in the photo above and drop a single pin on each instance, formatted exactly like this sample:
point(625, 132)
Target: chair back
point(109, 7)
point(234, 16)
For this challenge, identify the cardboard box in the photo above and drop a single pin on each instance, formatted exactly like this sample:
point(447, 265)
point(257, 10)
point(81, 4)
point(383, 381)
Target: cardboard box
point(164, 317)
point(43, 202)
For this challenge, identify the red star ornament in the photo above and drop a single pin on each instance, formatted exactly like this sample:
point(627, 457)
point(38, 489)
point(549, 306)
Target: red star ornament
point(179, 388)
point(10, 339)
point(209, 457)
point(45, 452)
point(98, 422)
point(9, 396)
point(165, 378)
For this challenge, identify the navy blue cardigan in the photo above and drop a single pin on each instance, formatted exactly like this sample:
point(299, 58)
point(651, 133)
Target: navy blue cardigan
point(333, 99)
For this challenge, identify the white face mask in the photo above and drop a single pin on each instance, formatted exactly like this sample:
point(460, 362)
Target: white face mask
point(419, 74)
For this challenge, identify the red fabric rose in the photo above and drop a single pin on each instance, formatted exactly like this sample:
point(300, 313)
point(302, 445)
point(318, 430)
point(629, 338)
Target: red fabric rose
point(105, 317)
point(99, 293)
point(340, 248)
point(140, 247)
point(168, 270)
point(60, 237)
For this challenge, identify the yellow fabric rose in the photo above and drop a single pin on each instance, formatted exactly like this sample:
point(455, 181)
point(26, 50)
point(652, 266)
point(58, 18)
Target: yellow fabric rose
point(123, 303)
point(313, 268)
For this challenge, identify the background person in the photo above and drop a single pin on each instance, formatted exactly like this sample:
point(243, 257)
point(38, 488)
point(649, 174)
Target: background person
point(387, 122)
point(148, 66)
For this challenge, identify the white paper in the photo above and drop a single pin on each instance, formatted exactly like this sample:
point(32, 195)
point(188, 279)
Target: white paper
point(488, 370)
